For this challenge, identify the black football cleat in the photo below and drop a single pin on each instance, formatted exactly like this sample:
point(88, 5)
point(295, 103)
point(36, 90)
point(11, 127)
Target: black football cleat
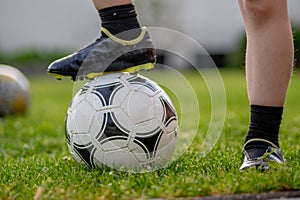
point(260, 159)
point(108, 54)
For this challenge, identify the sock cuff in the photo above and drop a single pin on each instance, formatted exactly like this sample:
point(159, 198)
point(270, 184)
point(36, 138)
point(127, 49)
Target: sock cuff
point(266, 109)
point(117, 12)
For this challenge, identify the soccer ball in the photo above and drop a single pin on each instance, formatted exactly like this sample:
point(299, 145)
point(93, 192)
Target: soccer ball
point(122, 121)
point(14, 91)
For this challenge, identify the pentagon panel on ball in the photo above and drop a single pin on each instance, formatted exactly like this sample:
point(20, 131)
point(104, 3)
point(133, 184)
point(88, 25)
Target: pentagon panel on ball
point(122, 121)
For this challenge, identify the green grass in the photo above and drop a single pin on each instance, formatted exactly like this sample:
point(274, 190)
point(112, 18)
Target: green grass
point(33, 153)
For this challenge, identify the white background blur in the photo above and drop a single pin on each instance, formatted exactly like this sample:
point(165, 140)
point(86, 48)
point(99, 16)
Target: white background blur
point(71, 24)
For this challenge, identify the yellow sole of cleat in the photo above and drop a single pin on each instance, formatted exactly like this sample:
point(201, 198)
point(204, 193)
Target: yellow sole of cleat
point(57, 76)
point(131, 70)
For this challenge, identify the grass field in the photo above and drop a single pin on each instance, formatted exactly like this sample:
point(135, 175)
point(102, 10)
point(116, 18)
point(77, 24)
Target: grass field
point(34, 158)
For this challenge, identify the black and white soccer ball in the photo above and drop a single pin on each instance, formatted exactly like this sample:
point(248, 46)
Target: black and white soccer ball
point(122, 121)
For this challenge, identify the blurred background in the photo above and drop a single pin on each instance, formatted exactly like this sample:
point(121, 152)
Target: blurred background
point(35, 32)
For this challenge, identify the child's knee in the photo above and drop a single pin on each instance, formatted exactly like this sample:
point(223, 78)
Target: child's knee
point(259, 10)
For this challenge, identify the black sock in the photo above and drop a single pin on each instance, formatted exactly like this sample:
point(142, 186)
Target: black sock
point(264, 124)
point(118, 19)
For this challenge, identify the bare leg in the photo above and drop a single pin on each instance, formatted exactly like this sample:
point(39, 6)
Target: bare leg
point(269, 62)
point(100, 4)
point(269, 57)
